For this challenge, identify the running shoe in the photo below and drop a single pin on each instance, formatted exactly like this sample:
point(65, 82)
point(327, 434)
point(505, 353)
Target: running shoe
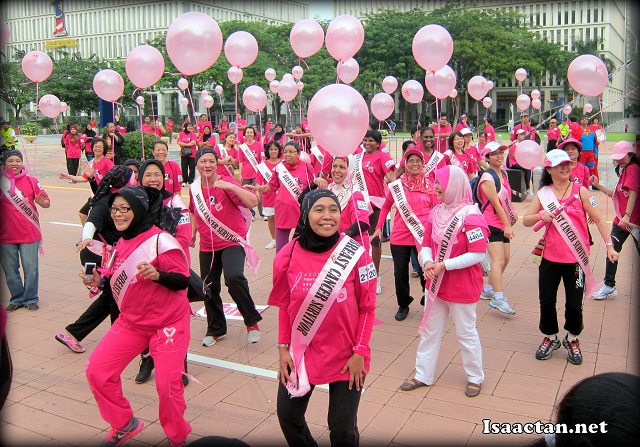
point(211, 340)
point(487, 295)
point(573, 348)
point(116, 437)
point(546, 348)
point(502, 306)
point(605, 292)
point(253, 333)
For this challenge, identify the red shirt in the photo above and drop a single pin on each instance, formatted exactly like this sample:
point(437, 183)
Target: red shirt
point(580, 174)
point(374, 167)
point(223, 128)
point(241, 131)
point(201, 125)
point(420, 203)
point(553, 133)
point(491, 132)
point(629, 181)
point(15, 227)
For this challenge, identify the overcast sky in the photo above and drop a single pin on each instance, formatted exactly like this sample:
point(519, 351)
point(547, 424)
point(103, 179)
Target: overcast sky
point(321, 8)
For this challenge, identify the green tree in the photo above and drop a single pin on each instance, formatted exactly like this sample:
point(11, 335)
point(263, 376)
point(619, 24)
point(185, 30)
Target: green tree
point(16, 89)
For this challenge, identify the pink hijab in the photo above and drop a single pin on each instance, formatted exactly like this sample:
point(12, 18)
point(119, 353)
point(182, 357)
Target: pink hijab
point(457, 195)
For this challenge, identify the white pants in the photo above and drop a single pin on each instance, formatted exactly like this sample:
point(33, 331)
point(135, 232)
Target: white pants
point(464, 319)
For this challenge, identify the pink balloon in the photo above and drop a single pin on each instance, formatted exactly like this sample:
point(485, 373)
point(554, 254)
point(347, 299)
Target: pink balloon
point(37, 66)
point(297, 72)
point(287, 76)
point(348, 71)
point(487, 102)
point(287, 90)
point(204, 92)
point(273, 86)
point(345, 35)
point(270, 74)
point(567, 109)
point(218, 89)
point(588, 75)
point(535, 94)
point(412, 91)
point(140, 100)
point(477, 87)
point(389, 84)
point(441, 82)
point(382, 106)
point(184, 101)
point(523, 102)
point(528, 154)
point(432, 47)
point(588, 108)
point(207, 100)
point(183, 83)
point(241, 49)
point(536, 103)
point(108, 85)
point(194, 42)
point(235, 75)
point(254, 98)
point(64, 106)
point(50, 106)
point(5, 33)
point(300, 85)
point(521, 74)
point(306, 37)
point(305, 157)
point(144, 66)
point(490, 84)
point(453, 93)
point(329, 110)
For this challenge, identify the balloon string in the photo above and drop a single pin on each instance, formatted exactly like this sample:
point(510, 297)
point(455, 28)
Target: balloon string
point(438, 147)
point(477, 114)
point(193, 106)
point(305, 62)
point(220, 101)
point(236, 103)
point(338, 72)
point(141, 131)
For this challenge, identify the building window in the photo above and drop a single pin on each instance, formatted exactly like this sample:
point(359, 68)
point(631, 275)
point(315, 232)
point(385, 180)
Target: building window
point(595, 15)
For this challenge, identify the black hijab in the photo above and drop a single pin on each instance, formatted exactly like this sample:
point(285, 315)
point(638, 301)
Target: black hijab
point(143, 167)
point(308, 239)
point(117, 177)
point(139, 201)
point(277, 135)
point(133, 162)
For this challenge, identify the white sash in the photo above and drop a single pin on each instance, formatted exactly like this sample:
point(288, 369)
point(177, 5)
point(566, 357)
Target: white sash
point(149, 250)
point(287, 180)
point(318, 154)
point(406, 212)
point(220, 229)
point(266, 173)
point(20, 202)
point(571, 238)
point(358, 182)
point(453, 159)
point(433, 162)
point(224, 154)
point(322, 294)
point(246, 150)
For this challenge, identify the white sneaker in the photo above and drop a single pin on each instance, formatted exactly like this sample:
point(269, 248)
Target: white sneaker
point(605, 292)
point(531, 192)
point(378, 287)
point(211, 340)
point(487, 295)
point(271, 244)
point(502, 306)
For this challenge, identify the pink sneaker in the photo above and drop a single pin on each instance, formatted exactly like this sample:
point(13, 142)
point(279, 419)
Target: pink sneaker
point(117, 437)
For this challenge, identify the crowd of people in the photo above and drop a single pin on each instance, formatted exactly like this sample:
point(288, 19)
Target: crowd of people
point(451, 202)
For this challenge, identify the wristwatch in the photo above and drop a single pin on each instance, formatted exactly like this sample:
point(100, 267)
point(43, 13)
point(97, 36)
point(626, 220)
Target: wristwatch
point(283, 345)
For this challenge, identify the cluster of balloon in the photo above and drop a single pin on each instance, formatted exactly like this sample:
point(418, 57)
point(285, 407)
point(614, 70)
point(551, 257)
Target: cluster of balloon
point(382, 106)
point(144, 66)
point(432, 48)
point(348, 71)
point(441, 82)
point(108, 85)
point(536, 103)
point(37, 66)
point(588, 75)
point(254, 98)
point(329, 109)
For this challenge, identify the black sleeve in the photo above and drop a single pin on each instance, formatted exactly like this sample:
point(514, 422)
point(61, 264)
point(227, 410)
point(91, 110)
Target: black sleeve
point(173, 281)
point(99, 215)
point(353, 229)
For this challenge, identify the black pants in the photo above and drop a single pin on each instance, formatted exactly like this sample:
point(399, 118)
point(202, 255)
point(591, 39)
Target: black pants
point(188, 169)
point(549, 276)
point(527, 174)
point(618, 237)
point(72, 165)
point(401, 255)
point(230, 262)
point(252, 181)
point(552, 144)
point(342, 416)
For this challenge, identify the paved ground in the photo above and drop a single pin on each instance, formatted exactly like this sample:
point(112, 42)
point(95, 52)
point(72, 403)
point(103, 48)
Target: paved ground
point(50, 402)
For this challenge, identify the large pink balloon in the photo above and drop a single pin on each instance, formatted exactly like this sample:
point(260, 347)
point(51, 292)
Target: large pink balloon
point(273, 86)
point(306, 37)
point(441, 82)
point(348, 71)
point(478, 87)
point(108, 85)
point(487, 102)
point(588, 75)
point(528, 154)
point(523, 102)
point(270, 74)
point(207, 100)
point(144, 66)
point(37, 66)
point(389, 84)
point(432, 47)
point(297, 72)
point(5, 33)
point(235, 74)
point(588, 108)
point(521, 74)
point(382, 106)
point(287, 89)
point(50, 106)
point(345, 35)
point(412, 91)
point(254, 98)
point(241, 49)
point(536, 103)
point(194, 42)
point(338, 118)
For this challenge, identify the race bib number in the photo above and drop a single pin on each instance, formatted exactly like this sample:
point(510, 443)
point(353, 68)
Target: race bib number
point(475, 235)
point(592, 201)
point(389, 164)
point(184, 219)
point(362, 205)
point(367, 273)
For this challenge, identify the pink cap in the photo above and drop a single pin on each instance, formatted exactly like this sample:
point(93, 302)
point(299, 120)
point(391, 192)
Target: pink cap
point(413, 151)
point(555, 157)
point(570, 140)
point(620, 149)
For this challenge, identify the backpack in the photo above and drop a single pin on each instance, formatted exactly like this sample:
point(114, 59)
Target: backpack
point(474, 187)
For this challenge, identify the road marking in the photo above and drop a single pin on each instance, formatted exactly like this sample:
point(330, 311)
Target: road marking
point(65, 223)
point(67, 187)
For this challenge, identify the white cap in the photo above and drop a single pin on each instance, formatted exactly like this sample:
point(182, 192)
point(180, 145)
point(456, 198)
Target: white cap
point(465, 131)
point(555, 157)
point(519, 131)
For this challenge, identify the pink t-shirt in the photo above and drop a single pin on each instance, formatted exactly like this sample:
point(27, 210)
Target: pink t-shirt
point(356, 210)
point(553, 133)
point(100, 168)
point(172, 177)
point(15, 228)
point(224, 170)
point(241, 131)
point(223, 128)
point(420, 203)
point(268, 198)
point(146, 128)
point(146, 302)
point(474, 157)
point(461, 126)
point(224, 206)
point(187, 138)
point(374, 167)
point(202, 124)
point(629, 181)
point(287, 206)
point(247, 172)
point(555, 249)
point(491, 132)
point(183, 230)
point(73, 149)
point(441, 144)
point(334, 342)
point(490, 214)
point(462, 285)
point(155, 131)
point(580, 174)
point(462, 160)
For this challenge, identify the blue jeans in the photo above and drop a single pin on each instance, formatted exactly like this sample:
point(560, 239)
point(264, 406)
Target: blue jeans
point(11, 255)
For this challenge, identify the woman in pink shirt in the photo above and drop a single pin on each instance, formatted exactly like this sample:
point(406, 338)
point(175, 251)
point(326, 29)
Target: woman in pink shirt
point(458, 156)
point(248, 173)
point(337, 353)
point(462, 123)
point(272, 157)
point(489, 130)
point(455, 240)
point(172, 174)
point(579, 172)
point(223, 127)
point(472, 151)
point(188, 142)
point(73, 145)
point(566, 252)
point(276, 133)
point(206, 139)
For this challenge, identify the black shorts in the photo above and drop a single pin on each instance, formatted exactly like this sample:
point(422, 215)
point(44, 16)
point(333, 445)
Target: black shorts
point(373, 221)
point(497, 235)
